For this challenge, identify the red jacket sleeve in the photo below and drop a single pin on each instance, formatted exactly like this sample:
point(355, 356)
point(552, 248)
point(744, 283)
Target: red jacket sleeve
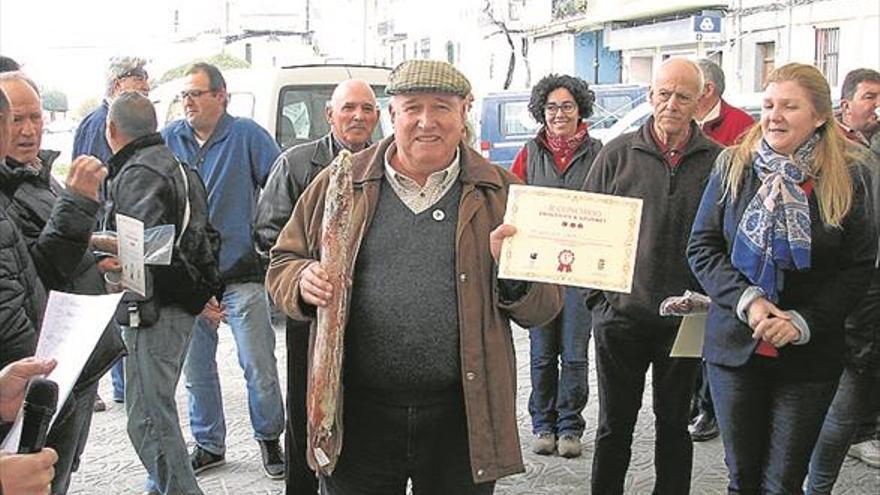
point(519, 164)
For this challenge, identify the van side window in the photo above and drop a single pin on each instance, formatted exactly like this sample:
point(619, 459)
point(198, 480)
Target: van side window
point(301, 116)
point(516, 119)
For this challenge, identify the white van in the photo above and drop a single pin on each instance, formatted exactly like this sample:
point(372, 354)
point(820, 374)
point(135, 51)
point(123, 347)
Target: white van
point(288, 102)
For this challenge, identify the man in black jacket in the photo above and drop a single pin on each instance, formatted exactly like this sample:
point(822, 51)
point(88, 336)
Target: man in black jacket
point(665, 163)
point(55, 224)
point(145, 183)
point(352, 113)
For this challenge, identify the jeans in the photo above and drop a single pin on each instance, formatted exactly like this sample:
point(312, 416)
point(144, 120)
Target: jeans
point(247, 314)
point(69, 434)
point(117, 376)
point(559, 393)
point(385, 445)
point(857, 398)
point(768, 425)
point(152, 370)
point(624, 350)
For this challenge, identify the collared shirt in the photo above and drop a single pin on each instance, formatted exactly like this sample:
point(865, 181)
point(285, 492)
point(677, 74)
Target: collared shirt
point(712, 115)
point(672, 155)
point(419, 198)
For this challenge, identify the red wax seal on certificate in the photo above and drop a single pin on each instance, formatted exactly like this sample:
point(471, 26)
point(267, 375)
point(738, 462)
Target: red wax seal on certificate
point(566, 258)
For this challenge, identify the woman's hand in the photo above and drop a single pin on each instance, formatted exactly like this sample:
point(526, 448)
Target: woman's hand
point(760, 309)
point(776, 331)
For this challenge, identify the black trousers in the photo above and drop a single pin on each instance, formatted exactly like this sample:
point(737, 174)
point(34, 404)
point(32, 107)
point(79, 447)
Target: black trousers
point(299, 479)
point(624, 351)
point(386, 444)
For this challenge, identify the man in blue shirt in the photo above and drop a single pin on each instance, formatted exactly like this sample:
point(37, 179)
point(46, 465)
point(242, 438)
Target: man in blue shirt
point(234, 156)
point(123, 74)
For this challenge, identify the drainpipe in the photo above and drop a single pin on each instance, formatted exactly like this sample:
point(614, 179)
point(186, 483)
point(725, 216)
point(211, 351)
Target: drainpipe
point(788, 30)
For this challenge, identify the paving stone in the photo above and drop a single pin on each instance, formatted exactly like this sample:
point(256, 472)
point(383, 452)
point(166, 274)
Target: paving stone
point(110, 465)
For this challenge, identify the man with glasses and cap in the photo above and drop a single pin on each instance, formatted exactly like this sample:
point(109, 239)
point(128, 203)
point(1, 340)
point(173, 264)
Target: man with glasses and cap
point(429, 377)
point(123, 74)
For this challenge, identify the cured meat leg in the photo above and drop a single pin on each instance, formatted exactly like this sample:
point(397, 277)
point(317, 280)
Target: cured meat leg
point(324, 399)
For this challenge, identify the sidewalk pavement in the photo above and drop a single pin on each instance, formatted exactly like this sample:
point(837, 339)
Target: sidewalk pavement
point(110, 466)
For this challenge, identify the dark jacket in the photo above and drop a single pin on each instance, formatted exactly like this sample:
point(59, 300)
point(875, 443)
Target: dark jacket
point(22, 297)
point(146, 183)
point(541, 168)
point(840, 269)
point(487, 354)
point(863, 325)
point(632, 165)
point(291, 174)
point(56, 225)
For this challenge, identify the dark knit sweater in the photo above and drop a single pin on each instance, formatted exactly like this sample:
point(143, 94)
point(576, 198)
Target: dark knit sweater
point(402, 339)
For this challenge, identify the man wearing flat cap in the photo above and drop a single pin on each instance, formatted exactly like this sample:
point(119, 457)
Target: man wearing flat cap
point(429, 379)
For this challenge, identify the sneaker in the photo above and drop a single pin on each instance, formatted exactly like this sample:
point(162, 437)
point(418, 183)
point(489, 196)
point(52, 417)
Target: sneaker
point(867, 452)
point(545, 444)
point(119, 400)
point(99, 405)
point(273, 459)
point(704, 428)
point(569, 446)
point(201, 460)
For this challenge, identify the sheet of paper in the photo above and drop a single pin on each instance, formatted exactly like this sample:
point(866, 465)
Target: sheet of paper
point(571, 238)
point(691, 333)
point(131, 253)
point(72, 326)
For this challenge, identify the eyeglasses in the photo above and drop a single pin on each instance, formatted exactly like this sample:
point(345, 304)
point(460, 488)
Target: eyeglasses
point(194, 93)
point(566, 107)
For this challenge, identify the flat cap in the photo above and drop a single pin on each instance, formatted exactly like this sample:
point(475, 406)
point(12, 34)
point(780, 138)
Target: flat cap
point(120, 67)
point(427, 76)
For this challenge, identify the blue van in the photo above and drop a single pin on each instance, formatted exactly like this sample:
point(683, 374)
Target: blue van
point(505, 122)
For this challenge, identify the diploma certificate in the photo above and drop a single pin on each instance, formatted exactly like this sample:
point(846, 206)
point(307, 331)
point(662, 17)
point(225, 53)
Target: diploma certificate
point(571, 238)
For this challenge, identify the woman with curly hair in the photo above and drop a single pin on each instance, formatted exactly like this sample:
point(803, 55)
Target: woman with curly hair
point(559, 156)
point(784, 245)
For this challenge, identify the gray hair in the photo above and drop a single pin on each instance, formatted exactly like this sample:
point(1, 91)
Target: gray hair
point(120, 67)
point(18, 75)
point(133, 114)
point(712, 72)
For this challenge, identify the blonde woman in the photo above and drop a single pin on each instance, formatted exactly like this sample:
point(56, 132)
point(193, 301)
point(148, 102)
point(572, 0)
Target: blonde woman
point(783, 244)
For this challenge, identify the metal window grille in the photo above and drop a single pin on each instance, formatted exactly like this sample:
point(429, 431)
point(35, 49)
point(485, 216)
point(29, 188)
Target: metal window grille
point(828, 53)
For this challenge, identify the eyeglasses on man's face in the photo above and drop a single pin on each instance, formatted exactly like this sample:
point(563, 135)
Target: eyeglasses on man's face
point(566, 107)
point(194, 93)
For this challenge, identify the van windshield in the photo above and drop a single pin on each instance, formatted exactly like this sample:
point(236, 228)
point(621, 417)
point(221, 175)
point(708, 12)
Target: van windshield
point(301, 115)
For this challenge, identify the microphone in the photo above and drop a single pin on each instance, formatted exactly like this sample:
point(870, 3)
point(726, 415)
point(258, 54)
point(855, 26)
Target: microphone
point(39, 407)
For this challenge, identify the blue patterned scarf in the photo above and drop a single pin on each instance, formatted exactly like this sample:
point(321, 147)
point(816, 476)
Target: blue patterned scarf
point(774, 233)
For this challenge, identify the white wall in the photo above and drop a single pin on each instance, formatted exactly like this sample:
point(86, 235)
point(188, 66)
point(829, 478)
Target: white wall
point(858, 21)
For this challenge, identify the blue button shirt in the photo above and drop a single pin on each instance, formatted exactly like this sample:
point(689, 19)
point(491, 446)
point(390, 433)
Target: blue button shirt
point(90, 138)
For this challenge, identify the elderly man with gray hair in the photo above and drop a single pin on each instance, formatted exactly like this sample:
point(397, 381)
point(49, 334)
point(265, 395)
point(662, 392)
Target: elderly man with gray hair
point(429, 391)
point(146, 183)
point(719, 121)
point(666, 163)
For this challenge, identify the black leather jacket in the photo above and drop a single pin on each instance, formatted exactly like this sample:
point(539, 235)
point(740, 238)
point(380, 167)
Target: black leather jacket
point(292, 172)
point(863, 325)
